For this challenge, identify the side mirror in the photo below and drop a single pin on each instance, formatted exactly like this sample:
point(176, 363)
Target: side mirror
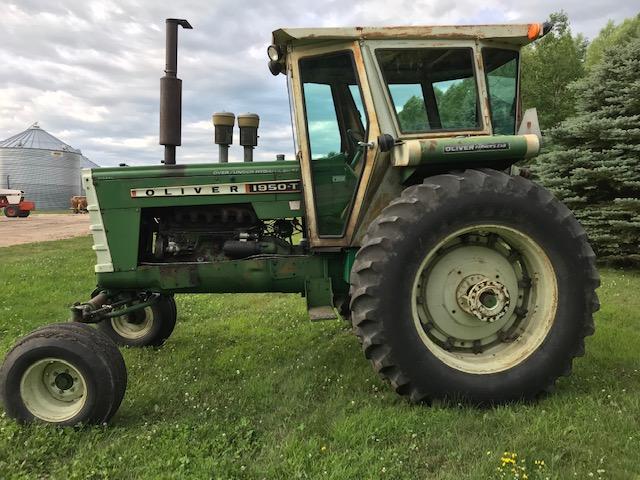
point(386, 142)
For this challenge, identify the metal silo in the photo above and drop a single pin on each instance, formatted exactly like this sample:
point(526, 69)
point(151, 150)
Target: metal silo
point(46, 168)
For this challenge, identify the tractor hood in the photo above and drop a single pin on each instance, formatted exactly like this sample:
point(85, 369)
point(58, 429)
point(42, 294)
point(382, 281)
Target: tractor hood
point(212, 170)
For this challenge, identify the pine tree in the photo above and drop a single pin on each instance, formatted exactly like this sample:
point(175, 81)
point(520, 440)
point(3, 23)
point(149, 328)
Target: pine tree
point(594, 161)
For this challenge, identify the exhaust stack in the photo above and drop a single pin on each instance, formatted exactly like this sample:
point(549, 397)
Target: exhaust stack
point(171, 94)
point(248, 123)
point(223, 124)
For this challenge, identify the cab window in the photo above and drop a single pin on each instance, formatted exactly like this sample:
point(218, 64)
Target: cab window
point(501, 67)
point(324, 130)
point(432, 89)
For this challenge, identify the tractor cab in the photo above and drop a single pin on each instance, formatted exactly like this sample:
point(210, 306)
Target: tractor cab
point(414, 97)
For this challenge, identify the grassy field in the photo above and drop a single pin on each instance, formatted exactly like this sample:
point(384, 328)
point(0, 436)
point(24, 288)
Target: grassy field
point(248, 388)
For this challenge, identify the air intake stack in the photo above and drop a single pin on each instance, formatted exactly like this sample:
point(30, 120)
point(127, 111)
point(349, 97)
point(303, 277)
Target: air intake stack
point(248, 123)
point(223, 123)
point(171, 94)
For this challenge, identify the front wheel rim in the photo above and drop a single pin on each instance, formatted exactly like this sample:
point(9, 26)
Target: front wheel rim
point(485, 298)
point(135, 325)
point(53, 390)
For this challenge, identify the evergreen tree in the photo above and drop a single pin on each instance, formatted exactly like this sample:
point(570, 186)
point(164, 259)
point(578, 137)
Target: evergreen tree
point(594, 162)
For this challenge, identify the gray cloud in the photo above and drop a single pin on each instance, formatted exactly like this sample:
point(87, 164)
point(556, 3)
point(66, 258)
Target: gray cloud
point(88, 70)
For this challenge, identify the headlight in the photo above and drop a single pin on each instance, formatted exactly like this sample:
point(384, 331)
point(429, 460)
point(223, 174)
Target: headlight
point(273, 52)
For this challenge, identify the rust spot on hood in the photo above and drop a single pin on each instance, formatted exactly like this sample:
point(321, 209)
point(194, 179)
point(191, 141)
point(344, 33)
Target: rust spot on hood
point(177, 170)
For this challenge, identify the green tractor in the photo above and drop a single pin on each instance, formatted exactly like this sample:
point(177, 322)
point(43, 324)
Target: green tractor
point(402, 212)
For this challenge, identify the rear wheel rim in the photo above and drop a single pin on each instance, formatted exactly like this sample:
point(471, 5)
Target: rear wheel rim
point(484, 299)
point(135, 325)
point(53, 390)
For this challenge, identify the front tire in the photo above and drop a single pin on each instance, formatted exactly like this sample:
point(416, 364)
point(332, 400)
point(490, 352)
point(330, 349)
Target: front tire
point(62, 374)
point(476, 286)
point(11, 211)
point(150, 326)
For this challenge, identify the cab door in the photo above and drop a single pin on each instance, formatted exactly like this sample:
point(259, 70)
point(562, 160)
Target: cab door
point(335, 124)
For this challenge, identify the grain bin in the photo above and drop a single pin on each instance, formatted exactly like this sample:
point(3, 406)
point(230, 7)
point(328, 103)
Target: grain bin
point(46, 168)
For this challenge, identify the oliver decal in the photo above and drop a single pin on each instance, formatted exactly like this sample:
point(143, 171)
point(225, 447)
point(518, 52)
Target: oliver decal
point(476, 147)
point(280, 186)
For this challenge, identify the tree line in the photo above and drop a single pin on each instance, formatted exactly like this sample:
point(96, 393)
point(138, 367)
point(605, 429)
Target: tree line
point(588, 100)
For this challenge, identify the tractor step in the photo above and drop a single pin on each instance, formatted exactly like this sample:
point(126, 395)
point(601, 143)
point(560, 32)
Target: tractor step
point(322, 313)
point(319, 296)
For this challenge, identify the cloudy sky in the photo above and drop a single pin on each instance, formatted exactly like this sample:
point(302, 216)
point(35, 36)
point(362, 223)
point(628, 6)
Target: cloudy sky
point(88, 71)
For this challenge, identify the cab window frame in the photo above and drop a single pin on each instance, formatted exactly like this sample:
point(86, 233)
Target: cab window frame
point(387, 114)
point(473, 53)
point(518, 78)
point(309, 151)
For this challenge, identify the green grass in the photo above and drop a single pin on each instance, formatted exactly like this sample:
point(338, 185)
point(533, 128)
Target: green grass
point(247, 387)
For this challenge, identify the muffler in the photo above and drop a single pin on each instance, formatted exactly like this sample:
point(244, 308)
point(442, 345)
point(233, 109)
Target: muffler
point(171, 94)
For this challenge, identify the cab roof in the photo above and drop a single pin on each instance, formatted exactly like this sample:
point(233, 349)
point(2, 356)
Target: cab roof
point(515, 34)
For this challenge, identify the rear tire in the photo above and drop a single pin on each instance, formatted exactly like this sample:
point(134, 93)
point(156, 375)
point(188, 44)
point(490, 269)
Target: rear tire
point(11, 211)
point(476, 286)
point(24, 213)
point(61, 374)
point(150, 326)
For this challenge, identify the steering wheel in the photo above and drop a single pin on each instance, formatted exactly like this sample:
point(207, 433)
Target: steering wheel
point(359, 151)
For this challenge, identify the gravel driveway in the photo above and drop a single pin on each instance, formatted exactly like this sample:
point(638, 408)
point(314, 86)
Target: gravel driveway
point(42, 228)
